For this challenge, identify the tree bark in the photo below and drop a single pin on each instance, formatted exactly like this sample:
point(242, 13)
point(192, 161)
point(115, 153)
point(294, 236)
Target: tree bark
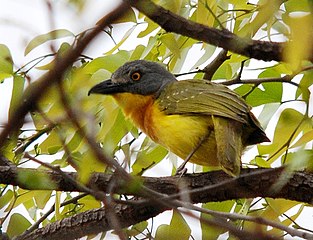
point(171, 22)
point(198, 188)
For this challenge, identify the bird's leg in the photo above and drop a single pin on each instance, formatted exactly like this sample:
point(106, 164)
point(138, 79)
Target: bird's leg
point(181, 170)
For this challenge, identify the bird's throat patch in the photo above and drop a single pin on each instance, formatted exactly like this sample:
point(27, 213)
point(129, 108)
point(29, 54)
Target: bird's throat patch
point(136, 107)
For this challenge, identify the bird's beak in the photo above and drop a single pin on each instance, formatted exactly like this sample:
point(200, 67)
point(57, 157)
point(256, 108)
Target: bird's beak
point(106, 87)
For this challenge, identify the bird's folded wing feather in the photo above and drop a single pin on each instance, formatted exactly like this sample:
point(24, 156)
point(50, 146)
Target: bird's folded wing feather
point(204, 98)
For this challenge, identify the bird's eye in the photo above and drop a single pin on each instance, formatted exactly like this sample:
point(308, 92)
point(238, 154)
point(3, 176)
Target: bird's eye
point(136, 76)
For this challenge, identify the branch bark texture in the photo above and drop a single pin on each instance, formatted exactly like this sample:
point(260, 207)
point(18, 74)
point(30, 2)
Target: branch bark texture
point(261, 50)
point(199, 188)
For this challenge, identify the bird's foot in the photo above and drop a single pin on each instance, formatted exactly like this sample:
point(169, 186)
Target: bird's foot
point(181, 170)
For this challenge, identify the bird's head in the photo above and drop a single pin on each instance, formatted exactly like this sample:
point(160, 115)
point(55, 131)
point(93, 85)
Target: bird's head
point(137, 77)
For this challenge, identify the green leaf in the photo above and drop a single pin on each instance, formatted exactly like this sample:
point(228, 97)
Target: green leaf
point(6, 198)
point(41, 198)
point(52, 35)
point(38, 180)
point(223, 72)
point(212, 232)
point(265, 13)
point(127, 17)
point(89, 202)
point(137, 53)
point(148, 157)
point(6, 62)
point(259, 161)
point(137, 229)
point(61, 52)
point(294, 51)
point(304, 139)
point(272, 93)
point(267, 113)
point(88, 164)
point(205, 12)
point(305, 83)
point(299, 160)
point(151, 45)
point(170, 42)
point(17, 225)
point(150, 27)
point(208, 52)
point(291, 219)
point(57, 206)
point(280, 206)
point(51, 144)
point(118, 130)
point(178, 229)
point(289, 121)
point(74, 142)
point(174, 5)
point(124, 38)
point(17, 92)
point(297, 6)
point(110, 62)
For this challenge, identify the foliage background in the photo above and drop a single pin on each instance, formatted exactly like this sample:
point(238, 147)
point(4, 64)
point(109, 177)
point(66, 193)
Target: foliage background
point(51, 136)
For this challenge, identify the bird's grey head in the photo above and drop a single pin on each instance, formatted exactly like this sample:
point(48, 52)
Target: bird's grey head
point(138, 77)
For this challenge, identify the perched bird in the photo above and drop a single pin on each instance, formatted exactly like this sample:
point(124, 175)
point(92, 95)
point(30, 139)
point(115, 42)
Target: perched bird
point(200, 121)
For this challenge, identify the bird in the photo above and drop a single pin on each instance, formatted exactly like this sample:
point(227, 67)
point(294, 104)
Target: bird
point(200, 121)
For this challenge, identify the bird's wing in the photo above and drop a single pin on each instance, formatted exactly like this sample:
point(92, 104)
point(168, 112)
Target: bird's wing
point(200, 97)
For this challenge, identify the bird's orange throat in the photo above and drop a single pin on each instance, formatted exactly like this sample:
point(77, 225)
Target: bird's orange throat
point(136, 107)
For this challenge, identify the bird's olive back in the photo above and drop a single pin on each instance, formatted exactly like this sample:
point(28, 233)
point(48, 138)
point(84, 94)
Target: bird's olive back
point(142, 77)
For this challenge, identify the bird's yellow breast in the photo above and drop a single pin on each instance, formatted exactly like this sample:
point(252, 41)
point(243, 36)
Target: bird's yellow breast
point(179, 133)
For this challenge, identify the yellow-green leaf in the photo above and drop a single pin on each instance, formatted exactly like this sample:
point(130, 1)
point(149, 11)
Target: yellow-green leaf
point(305, 138)
point(266, 12)
point(170, 42)
point(52, 35)
point(17, 92)
point(41, 198)
point(38, 180)
point(148, 157)
point(17, 225)
point(212, 232)
point(109, 62)
point(6, 198)
point(137, 228)
point(6, 63)
point(150, 27)
point(124, 38)
point(299, 46)
point(206, 11)
point(173, 5)
point(87, 165)
point(289, 121)
point(51, 144)
point(178, 229)
point(89, 202)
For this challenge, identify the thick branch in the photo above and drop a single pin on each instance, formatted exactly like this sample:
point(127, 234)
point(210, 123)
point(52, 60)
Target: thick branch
point(94, 221)
point(225, 39)
point(200, 187)
point(250, 184)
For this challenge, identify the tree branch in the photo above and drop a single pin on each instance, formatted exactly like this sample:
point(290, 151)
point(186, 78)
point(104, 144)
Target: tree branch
point(200, 187)
point(225, 39)
point(211, 68)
